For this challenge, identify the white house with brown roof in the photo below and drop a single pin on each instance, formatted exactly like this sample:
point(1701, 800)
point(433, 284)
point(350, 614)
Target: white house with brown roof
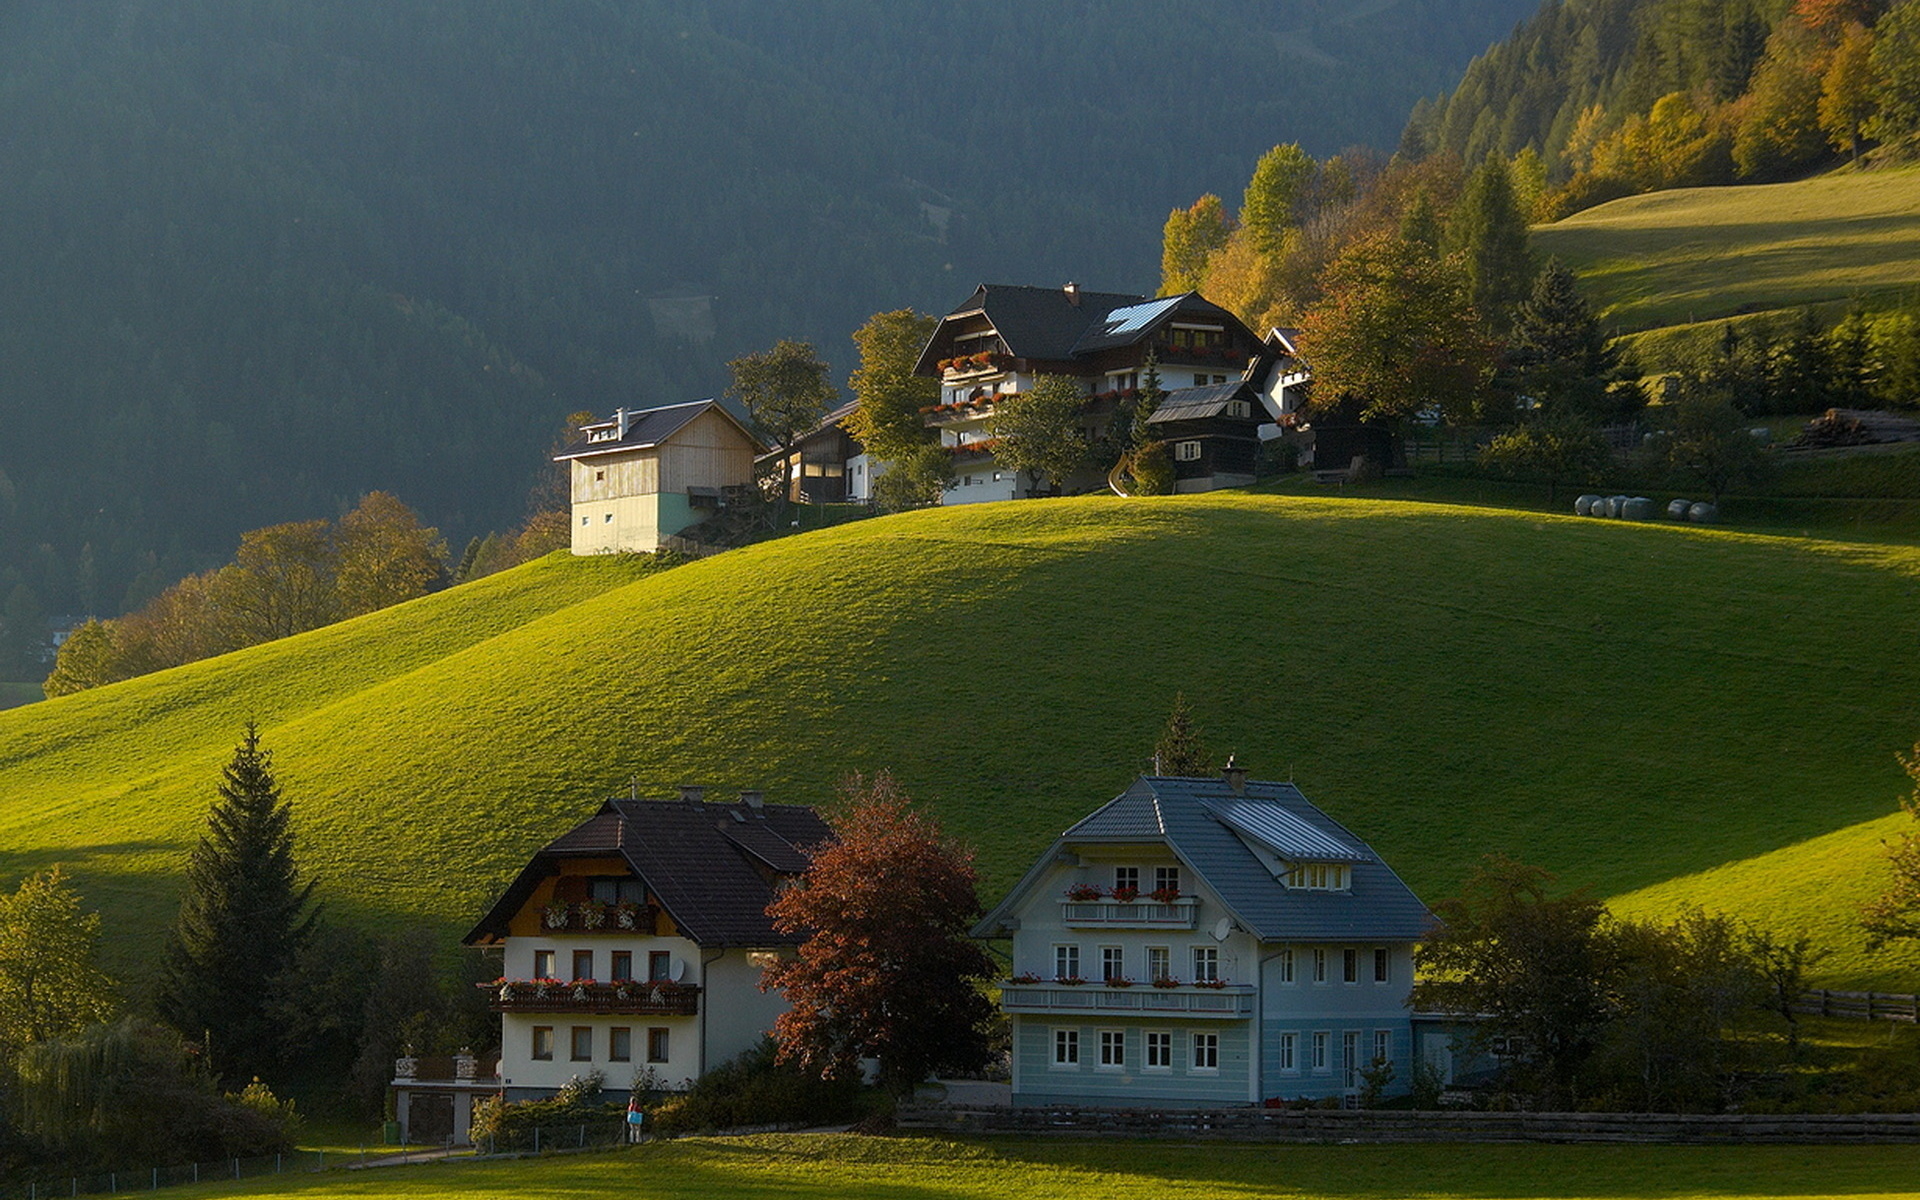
point(643, 475)
point(633, 945)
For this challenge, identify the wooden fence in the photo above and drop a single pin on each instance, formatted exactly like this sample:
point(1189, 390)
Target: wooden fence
point(1861, 1006)
point(1343, 1125)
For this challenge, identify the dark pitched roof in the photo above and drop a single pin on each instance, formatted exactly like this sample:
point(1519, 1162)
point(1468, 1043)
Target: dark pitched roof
point(1222, 835)
point(1127, 325)
point(1034, 322)
point(1195, 403)
point(707, 864)
point(645, 428)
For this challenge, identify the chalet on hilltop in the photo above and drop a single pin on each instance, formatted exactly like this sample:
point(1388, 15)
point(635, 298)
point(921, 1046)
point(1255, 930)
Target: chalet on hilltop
point(643, 475)
point(1208, 942)
point(633, 943)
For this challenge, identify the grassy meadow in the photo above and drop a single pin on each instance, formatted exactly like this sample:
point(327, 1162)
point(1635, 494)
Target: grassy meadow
point(794, 1167)
point(1697, 254)
point(1677, 715)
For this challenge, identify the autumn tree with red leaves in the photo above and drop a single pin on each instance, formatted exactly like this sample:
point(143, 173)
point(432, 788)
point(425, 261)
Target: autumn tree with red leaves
point(889, 969)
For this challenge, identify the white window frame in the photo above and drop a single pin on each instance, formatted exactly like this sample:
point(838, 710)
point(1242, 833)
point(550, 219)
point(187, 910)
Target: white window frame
point(1203, 1054)
point(1382, 1046)
point(1319, 964)
point(1125, 877)
point(1322, 1043)
point(1206, 964)
point(1165, 877)
point(1113, 1050)
point(1188, 451)
point(1349, 965)
point(1066, 960)
point(1284, 968)
point(1382, 965)
point(1159, 963)
point(1157, 1044)
point(1066, 1049)
point(1289, 1053)
point(1350, 1052)
point(1113, 963)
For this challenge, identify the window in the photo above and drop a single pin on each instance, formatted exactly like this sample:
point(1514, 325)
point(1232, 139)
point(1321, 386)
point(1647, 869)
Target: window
point(620, 1044)
point(1320, 1041)
point(583, 964)
point(1237, 408)
point(658, 1044)
point(1206, 964)
point(1350, 1052)
point(1126, 877)
point(586, 520)
point(1350, 965)
point(599, 475)
point(1199, 381)
point(1382, 1046)
point(1159, 1050)
point(622, 965)
point(1283, 965)
point(612, 890)
point(1287, 1057)
point(1206, 1052)
point(968, 481)
point(609, 519)
point(543, 964)
point(1066, 962)
point(1159, 963)
point(1319, 964)
point(659, 965)
point(1112, 963)
point(1186, 452)
point(543, 1043)
point(582, 1043)
point(1380, 964)
point(1317, 877)
point(1066, 1047)
point(1113, 1048)
point(1166, 879)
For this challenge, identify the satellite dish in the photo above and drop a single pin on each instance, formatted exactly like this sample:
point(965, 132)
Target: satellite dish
point(1222, 928)
point(679, 969)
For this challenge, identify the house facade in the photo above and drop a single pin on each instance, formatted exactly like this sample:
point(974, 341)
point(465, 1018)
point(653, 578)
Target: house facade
point(1000, 339)
point(1208, 943)
point(634, 943)
point(644, 475)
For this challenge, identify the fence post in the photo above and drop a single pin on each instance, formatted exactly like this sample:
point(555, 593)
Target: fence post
point(582, 1143)
point(536, 1139)
point(156, 1179)
point(236, 1168)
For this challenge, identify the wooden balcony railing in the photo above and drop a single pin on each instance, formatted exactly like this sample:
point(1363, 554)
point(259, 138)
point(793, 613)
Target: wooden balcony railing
point(635, 997)
point(596, 917)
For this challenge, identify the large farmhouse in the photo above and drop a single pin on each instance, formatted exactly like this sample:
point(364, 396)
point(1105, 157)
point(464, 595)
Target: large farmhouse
point(644, 475)
point(634, 943)
point(1208, 943)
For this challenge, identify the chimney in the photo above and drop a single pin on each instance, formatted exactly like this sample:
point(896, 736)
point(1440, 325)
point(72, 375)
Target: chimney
point(622, 416)
point(1236, 776)
point(754, 798)
point(1073, 293)
point(692, 793)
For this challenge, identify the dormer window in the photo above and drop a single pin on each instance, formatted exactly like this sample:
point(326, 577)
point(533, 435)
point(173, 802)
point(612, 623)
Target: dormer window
point(610, 434)
point(1318, 877)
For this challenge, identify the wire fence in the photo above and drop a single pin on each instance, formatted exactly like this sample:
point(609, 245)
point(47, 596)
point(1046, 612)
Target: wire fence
point(152, 1179)
point(547, 1139)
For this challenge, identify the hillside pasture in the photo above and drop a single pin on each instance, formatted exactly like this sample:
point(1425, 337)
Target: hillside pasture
point(1699, 254)
point(1637, 707)
point(795, 1167)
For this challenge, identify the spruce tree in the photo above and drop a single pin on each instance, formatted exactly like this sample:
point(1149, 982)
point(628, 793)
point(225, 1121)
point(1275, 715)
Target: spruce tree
point(1489, 232)
point(244, 916)
point(1179, 752)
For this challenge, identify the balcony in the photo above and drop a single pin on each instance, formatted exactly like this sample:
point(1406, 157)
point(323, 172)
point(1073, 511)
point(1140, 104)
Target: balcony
point(1130, 914)
point(593, 916)
point(625, 998)
point(1139, 1000)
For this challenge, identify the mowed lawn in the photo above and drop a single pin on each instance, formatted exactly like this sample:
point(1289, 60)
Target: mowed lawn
point(794, 1167)
point(1694, 254)
point(1627, 705)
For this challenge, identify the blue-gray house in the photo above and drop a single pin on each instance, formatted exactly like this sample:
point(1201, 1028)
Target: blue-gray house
point(1207, 942)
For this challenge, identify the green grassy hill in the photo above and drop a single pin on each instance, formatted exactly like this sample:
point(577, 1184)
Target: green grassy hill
point(1683, 714)
point(1694, 255)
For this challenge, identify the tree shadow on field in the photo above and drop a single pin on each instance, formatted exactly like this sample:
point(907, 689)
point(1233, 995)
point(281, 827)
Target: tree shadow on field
point(76, 859)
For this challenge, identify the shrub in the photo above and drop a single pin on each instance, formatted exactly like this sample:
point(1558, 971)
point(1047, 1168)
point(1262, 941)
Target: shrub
point(579, 1102)
point(754, 1089)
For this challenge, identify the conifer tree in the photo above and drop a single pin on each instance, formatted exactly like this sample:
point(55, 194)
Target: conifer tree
point(1180, 752)
point(1489, 232)
point(245, 915)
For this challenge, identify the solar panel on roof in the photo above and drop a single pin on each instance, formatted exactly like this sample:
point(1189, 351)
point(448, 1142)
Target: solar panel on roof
point(1135, 317)
point(1290, 836)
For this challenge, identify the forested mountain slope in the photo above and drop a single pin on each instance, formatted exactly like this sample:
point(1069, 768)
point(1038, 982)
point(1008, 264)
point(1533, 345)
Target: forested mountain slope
point(1720, 722)
point(256, 259)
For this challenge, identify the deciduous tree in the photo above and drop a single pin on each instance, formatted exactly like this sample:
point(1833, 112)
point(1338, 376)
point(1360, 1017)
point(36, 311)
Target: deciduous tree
point(785, 391)
point(889, 423)
point(1189, 239)
point(1554, 449)
point(1039, 431)
point(384, 555)
point(244, 916)
point(889, 969)
point(1895, 914)
point(50, 986)
point(1269, 207)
